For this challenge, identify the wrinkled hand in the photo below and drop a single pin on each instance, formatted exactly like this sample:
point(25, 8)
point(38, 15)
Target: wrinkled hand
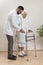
point(21, 30)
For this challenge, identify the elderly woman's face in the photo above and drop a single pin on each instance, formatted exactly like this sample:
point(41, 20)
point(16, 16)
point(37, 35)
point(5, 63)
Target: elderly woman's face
point(24, 14)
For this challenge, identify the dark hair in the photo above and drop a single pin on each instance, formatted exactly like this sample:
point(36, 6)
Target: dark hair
point(21, 7)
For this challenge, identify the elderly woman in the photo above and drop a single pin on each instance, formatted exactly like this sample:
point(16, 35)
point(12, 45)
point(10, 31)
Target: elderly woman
point(24, 25)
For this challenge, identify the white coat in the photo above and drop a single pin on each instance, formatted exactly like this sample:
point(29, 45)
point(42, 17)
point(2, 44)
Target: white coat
point(12, 23)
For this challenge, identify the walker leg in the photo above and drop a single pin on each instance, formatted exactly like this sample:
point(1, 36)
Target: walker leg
point(35, 47)
point(26, 50)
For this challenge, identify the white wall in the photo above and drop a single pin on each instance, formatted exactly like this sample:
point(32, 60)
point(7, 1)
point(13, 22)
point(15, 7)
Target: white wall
point(35, 12)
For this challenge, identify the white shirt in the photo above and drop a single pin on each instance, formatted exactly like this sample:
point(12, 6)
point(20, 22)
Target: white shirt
point(12, 23)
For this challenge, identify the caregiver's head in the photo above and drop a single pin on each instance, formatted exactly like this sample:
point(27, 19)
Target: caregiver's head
point(19, 9)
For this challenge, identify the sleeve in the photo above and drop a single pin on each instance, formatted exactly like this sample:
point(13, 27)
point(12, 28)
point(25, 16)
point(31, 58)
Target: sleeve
point(15, 22)
point(27, 24)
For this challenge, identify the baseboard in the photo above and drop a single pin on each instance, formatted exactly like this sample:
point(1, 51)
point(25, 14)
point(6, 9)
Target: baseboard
point(28, 50)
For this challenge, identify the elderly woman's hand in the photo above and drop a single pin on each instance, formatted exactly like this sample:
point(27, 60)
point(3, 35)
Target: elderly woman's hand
point(30, 30)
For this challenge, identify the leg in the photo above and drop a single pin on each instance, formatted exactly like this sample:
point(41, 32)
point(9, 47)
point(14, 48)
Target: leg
point(10, 48)
point(10, 45)
point(35, 47)
point(20, 49)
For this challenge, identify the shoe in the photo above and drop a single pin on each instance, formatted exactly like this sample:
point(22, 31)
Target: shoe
point(12, 57)
point(24, 53)
point(20, 54)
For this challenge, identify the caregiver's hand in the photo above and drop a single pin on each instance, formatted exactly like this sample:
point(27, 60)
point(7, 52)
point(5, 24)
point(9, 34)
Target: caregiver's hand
point(21, 30)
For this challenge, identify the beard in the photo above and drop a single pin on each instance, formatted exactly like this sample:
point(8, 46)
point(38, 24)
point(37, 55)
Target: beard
point(18, 13)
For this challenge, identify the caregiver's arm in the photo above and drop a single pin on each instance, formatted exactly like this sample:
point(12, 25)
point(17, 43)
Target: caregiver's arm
point(15, 24)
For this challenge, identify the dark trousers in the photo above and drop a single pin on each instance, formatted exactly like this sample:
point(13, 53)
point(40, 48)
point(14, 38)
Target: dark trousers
point(10, 45)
